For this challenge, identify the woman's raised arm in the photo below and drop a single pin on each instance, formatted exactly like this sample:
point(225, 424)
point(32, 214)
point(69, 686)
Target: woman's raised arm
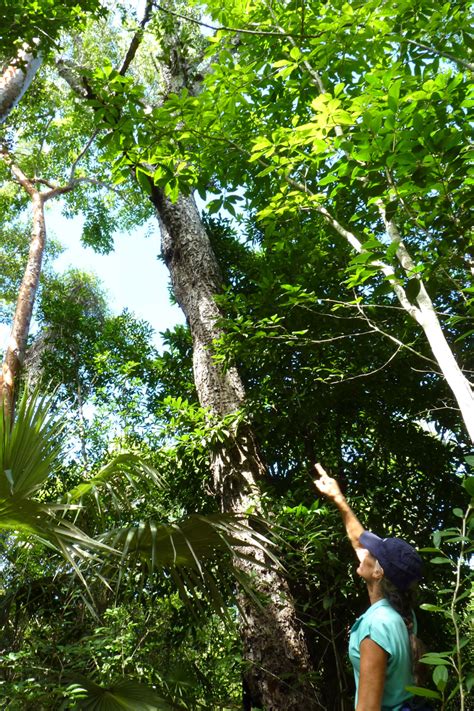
point(330, 488)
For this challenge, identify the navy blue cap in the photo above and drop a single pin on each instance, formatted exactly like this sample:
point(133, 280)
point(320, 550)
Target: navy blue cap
point(400, 562)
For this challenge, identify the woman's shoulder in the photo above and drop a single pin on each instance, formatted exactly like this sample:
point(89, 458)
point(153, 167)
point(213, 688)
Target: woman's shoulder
point(383, 612)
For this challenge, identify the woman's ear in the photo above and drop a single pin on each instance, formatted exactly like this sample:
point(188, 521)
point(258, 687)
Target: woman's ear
point(378, 573)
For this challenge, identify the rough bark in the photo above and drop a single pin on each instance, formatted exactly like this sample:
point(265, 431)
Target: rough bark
point(273, 639)
point(16, 79)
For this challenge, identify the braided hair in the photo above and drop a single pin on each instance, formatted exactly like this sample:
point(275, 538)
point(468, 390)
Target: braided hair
point(403, 601)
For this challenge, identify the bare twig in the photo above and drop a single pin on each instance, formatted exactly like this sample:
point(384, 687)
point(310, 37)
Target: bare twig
point(81, 155)
point(394, 339)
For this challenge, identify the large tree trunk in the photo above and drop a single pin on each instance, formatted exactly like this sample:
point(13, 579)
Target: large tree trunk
point(16, 79)
point(273, 639)
point(277, 678)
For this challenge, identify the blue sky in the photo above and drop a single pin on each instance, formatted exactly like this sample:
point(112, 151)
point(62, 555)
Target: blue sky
point(132, 275)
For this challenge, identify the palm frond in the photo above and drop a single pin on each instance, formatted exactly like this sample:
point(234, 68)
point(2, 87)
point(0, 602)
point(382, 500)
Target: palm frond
point(31, 449)
point(198, 554)
point(124, 465)
point(124, 694)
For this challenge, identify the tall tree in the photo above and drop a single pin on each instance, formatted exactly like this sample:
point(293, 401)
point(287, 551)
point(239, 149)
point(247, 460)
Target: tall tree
point(273, 679)
point(169, 138)
point(16, 348)
point(379, 155)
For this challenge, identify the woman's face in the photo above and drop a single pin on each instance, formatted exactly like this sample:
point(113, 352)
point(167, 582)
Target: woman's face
point(368, 568)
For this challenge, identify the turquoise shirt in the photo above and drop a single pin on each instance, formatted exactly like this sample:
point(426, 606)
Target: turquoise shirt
point(386, 627)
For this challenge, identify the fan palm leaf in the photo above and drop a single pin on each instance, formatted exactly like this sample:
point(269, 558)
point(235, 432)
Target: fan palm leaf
point(124, 694)
point(31, 453)
point(197, 553)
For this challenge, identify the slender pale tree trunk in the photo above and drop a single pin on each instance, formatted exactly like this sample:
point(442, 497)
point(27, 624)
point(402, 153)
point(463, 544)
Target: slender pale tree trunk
point(422, 310)
point(273, 640)
point(16, 346)
point(16, 79)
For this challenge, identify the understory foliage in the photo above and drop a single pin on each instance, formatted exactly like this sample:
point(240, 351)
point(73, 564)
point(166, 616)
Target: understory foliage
point(320, 139)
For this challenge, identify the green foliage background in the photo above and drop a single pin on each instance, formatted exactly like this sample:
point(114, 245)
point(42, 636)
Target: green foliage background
point(288, 108)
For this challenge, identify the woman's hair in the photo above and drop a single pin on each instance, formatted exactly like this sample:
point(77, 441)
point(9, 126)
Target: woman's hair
point(403, 601)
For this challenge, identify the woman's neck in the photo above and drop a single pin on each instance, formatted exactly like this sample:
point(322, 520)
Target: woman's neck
point(375, 593)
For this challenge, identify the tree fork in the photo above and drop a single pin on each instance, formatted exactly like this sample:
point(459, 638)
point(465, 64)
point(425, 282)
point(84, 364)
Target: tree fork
point(16, 346)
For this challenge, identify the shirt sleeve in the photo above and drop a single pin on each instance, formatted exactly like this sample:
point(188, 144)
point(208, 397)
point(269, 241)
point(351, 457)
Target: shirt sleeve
point(380, 630)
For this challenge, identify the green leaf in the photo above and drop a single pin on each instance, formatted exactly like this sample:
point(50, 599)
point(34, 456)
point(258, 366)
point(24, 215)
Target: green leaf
point(295, 53)
point(391, 209)
point(433, 658)
point(468, 484)
point(31, 452)
point(143, 179)
point(214, 206)
point(440, 677)
point(425, 693)
point(432, 608)
point(192, 551)
point(124, 694)
point(394, 94)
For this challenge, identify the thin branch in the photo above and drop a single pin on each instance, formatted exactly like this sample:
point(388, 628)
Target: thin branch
point(137, 38)
point(99, 183)
point(81, 155)
point(237, 30)
point(303, 10)
point(314, 341)
point(314, 74)
point(47, 183)
point(394, 339)
point(371, 372)
point(377, 306)
point(59, 190)
point(21, 178)
point(434, 50)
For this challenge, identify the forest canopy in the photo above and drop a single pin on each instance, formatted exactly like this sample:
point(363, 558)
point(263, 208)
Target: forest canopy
point(305, 170)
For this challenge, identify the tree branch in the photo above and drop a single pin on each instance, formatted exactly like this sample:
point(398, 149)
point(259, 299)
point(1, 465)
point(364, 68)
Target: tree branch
point(434, 50)
point(21, 178)
point(137, 38)
point(237, 30)
point(81, 155)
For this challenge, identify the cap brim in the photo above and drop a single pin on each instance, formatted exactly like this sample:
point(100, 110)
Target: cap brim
point(373, 543)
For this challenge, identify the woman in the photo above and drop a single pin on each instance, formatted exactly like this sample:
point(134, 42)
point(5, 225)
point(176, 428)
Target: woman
point(381, 645)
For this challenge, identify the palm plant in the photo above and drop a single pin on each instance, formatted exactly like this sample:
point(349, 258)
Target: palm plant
point(197, 554)
point(31, 452)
